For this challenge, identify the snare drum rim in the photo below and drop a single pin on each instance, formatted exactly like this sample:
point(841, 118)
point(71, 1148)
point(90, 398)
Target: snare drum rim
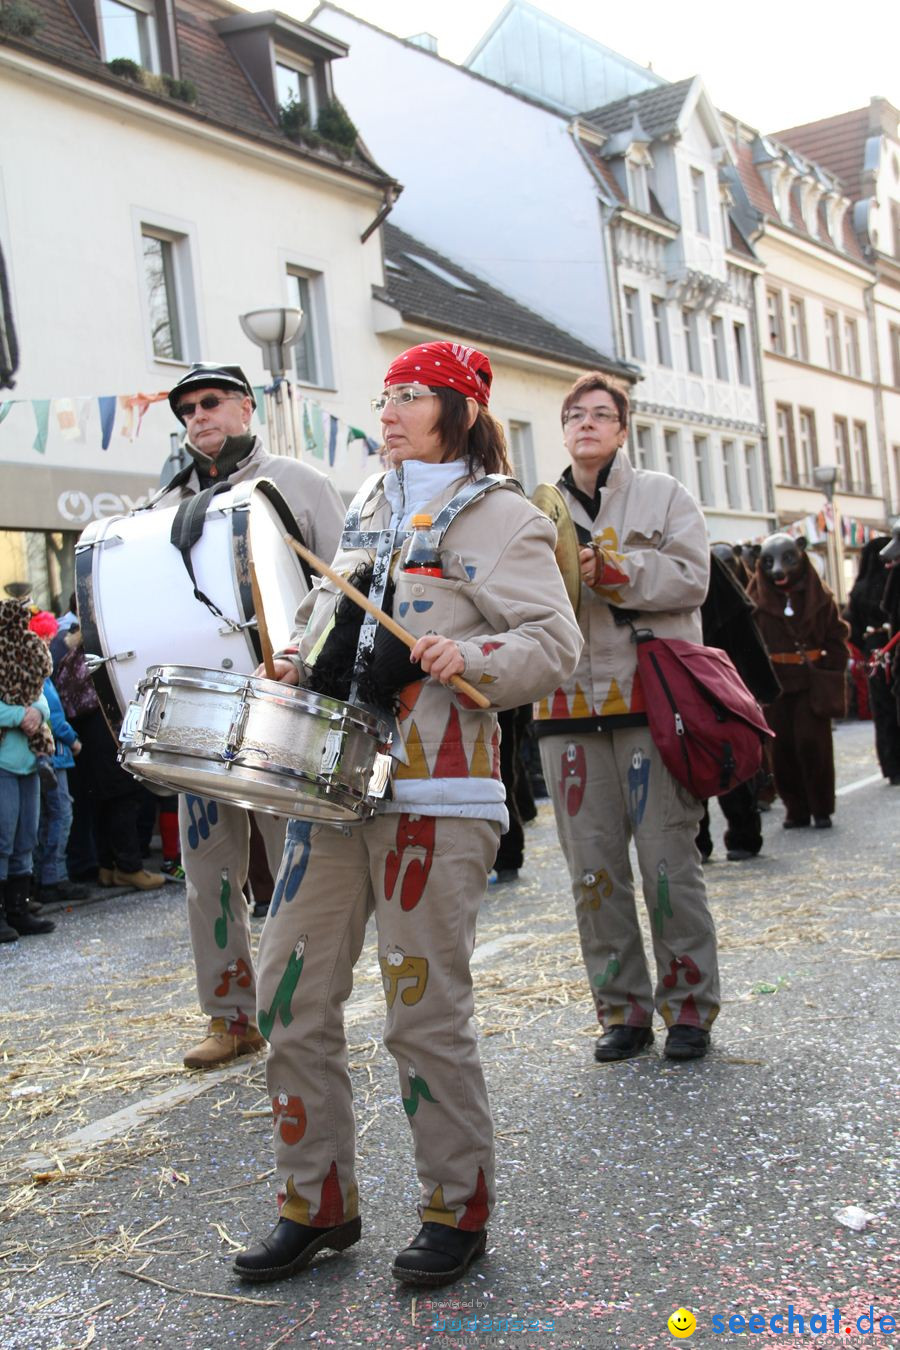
point(271, 691)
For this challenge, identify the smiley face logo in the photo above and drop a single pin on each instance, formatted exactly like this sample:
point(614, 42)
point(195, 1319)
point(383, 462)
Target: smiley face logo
point(682, 1323)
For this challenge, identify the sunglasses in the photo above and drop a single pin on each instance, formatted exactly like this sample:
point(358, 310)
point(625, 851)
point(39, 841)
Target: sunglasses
point(186, 410)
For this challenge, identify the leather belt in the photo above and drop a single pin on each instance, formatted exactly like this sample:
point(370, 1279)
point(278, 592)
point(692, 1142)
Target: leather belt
point(795, 658)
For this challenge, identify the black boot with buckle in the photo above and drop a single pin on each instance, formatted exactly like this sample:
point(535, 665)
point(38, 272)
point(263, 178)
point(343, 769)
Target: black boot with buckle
point(7, 934)
point(439, 1255)
point(18, 914)
point(291, 1247)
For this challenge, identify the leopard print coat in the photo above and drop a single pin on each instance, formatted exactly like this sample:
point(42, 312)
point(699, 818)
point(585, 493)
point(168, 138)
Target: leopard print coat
point(24, 665)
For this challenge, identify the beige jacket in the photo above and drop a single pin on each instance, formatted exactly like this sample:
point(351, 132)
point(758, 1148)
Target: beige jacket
point(652, 532)
point(502, 599)
point(312, 497)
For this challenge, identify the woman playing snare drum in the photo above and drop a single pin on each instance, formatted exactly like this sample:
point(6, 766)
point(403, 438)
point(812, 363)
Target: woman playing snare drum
point(498, 615)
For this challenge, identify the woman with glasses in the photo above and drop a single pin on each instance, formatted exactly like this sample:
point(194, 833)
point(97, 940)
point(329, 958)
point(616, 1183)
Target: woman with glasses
point(644, 561)
point(491, 607)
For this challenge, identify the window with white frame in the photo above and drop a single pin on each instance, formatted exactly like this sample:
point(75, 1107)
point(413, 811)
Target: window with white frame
point(862, 472)
point(741, 354)
point(638, 184)
point(753, 476)
point(797, 323)
point(895, 450)
point(294, 84)
point(312, 356)
point(701, 206)
point(701, 462)
point(521, 447)
point(633, 329)
point(691, 340)
point(787, 451)
point(732, 478)
point(129, 32)
point(842, 452)
point(832, 340)
point(643, 447)
point(168, 294)
point(775, 317)
point(672, 448)
point(895, 355)
point(807, 444)
point(661, 330)
point(720, 351)
point(851, 347)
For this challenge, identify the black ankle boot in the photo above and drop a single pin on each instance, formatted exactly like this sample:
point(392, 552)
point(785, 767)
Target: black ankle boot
point(290, 1247)
point(17, 911)
point(622, 1043)
point(7, 934)
point(439, 1255)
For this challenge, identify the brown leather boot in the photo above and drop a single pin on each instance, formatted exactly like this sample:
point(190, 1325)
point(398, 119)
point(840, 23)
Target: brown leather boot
point(221, 1047)
point(139, 881)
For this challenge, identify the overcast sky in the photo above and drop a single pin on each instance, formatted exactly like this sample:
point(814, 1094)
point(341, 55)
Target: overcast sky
point(772, 63)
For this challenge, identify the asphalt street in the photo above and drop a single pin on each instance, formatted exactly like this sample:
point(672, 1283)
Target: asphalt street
point(626, 1191)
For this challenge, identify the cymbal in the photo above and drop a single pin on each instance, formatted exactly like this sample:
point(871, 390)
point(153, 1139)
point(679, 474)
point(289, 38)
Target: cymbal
point(550, 500)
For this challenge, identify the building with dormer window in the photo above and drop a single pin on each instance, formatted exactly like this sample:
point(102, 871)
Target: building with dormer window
point(818, 355)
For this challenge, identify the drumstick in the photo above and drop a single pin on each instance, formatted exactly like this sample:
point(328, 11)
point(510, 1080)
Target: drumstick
point(391, 624)
point(262, 627)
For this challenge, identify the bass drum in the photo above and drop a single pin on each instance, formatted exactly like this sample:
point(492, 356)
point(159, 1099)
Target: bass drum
point(136, 601)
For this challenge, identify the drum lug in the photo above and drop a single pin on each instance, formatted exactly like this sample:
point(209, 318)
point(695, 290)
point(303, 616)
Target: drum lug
point(106, 542)
point(235, 734)
point(94, 663)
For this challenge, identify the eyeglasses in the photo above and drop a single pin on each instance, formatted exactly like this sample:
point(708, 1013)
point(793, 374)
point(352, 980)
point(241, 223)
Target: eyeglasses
point(187, 410)
point(579, 415)
point(399, 398)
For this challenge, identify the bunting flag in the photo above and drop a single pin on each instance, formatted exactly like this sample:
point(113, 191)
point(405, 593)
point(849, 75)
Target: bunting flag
point(105, 421)
point(107, 405)
point(41, 408)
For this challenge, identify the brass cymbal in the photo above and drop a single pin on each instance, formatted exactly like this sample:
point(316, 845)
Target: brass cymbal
point(550, 500)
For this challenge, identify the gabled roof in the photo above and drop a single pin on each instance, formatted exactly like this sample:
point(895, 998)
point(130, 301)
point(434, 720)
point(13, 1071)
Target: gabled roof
point(658, 110)
point(225, 96)
point(837, 142)
point(425, 286)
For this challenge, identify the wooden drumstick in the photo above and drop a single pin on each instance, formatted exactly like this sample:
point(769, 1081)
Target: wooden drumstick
point(383, 618)
point(262, 627)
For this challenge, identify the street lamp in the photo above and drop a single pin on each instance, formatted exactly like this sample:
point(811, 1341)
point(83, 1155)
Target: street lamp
point(274, 331)
point(826, 477)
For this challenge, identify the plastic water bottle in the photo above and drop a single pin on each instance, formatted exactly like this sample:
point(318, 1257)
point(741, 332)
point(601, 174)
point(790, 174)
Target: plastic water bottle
point(424, 555)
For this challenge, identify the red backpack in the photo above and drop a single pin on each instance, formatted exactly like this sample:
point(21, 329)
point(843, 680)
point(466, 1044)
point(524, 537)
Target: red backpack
point(704, 721)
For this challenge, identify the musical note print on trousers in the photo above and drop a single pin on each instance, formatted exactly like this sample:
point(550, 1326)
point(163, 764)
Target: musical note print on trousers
point(595, 887)
point(238, 971)
point(220, 929)
point(207, 816)
point(413, 832)
point(289, 1115)
point(573, 777)
point(287, 986)
point(691, 971)
point(418, 1091)
point(397, 966)
point(292, 872)
point(638, 786)
point(604, 976)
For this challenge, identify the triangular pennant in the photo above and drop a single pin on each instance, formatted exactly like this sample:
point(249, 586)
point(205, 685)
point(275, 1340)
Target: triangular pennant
point(638, 702)
point(436, 1211)
point(41, 408)
point(543, 710)
point(481, 764)
point(614, 703)
point(451, 761)
point(579, 703)
point(560, 704)
point(418, 764)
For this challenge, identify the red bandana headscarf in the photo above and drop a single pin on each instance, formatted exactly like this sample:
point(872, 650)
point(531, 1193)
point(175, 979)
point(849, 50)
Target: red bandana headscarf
point(446, 365)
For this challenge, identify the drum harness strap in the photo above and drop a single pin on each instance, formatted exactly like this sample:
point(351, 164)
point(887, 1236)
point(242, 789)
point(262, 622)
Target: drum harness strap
point(187, 527)
point(385, 541)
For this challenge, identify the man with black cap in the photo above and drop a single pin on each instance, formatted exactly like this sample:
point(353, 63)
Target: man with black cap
point(215, 404)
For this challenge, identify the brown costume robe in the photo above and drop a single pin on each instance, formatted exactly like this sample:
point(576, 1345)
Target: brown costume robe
point(803, 751)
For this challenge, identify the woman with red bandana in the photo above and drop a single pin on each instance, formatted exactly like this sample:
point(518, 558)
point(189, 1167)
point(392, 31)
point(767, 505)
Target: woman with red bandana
point(496, 613)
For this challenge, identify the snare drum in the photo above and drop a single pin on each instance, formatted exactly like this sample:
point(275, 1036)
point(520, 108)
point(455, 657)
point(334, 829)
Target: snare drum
point(136, 602)
point(257, 743)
